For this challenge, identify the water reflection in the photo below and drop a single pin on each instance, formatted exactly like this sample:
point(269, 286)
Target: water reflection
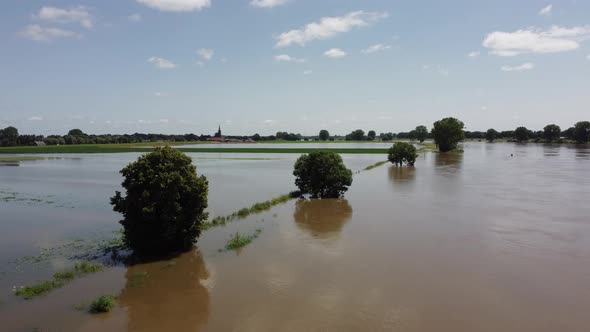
point(448, 162)
point(582, 152)
point(402, 175)
point(323, 218)
point(167, 295)
point(550, 150)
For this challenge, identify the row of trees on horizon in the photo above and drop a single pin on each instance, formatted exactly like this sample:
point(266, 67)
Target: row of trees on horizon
point(579, 133)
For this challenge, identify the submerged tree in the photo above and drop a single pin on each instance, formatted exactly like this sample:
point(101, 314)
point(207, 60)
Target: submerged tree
point(421, 133)
point(322, 174)
point(491, 135)
point(521, 134)
point(401, 153)
point(551, 132)
point(165, 202)
point(447, 133)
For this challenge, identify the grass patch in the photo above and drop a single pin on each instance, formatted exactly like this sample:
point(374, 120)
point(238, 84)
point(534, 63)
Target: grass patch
point(60, 278)
point(20, 158)
point(239, 241)
point(375, 165)
point(254, 209)
point(104, 303)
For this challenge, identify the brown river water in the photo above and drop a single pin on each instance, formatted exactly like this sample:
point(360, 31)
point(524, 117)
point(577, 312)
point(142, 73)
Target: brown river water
point(494, 239)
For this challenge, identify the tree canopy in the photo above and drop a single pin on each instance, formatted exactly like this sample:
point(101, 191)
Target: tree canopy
point(521, 134)
point(447, 133)
point(551, 132)
point(401, 153)
point(324, 135)
point(421, 133)
point(164, 204)
point(582, 131)
point(322, 174)
point(491, 135)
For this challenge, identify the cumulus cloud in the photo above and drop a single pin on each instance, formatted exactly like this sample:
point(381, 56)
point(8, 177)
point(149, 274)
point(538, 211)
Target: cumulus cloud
point(473, 54)
point(376, 48)
point(328, 27)
point(162, 63)
point(546, 10)
point(267, 3)
point(35, 118)
point(335, 53)
point(206, 53)
point(78, 14)
point(176, 5)
point(533, 40)
point(41, 34)
point(288, 58)
point(134, 18)
point(268, 122)
point(523, 67)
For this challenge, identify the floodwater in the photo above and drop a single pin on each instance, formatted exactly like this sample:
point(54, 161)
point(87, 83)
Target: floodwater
point(494, 239)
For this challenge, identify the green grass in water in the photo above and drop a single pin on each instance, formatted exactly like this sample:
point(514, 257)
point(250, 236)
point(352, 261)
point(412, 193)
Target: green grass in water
point(59, 279)
point(104, 303)
point(239, 241)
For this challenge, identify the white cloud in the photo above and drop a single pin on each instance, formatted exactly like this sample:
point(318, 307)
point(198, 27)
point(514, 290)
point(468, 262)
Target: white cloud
point(523, 67)
point(206, 53)
point(376, 48)
point(288, 58)
point(74, 15)
point(162, 63)
point(35, 118)
point(533, 40)
point(335, 53)
point(546, 10)
point(164, 120)
point(308, 72)
point(41, 34)
point(328, 27)
point(474, 54)
point(161, 94)
point(268, 122)
point(176, 5)
point(267, 3)
point(134, 18)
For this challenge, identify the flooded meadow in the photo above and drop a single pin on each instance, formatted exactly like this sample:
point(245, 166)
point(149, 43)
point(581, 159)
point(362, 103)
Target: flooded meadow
point(492, 239)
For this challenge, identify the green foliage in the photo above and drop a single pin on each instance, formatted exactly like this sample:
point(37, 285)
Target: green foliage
point(8, 136)
point(59, 279)
point(551, 132)
point(421, 133)
point(491, 135)
point(357, 135)
point(322, 174)
point(375, 165)
point(582, 131)
point(164, 204)
point(521, 134)
point(76, 132)
point(239, 241)
point(371, 135)
point(324, 135)
point(447, 133)
point(401, 153)
point(104, 303)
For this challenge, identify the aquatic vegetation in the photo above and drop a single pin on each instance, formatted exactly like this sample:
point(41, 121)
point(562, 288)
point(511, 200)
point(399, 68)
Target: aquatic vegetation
point(239, 241)
point(104, 303)
point(59, 279)
point(375, 165)
point(138, 279)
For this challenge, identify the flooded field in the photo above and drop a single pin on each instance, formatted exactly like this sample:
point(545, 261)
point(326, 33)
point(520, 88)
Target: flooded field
point(494, 239)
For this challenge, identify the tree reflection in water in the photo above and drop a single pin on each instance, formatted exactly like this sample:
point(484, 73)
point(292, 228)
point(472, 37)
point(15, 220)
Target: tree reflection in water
point(167, 295)
point(322, 218)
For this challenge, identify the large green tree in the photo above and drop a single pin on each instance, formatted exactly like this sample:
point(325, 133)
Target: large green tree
point(324, 135)
point(582, 131)
point(9, 136)
point(164, 204)
point(371, 135)
point(421, 133)
point(551, 132)
point(402, 153)
point(76, 132)
point(447, 133)
point(521, 134)
point(491, 135)
point(322, 174)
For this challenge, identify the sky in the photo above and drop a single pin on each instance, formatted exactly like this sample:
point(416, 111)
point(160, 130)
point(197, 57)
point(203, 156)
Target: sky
point(262, 66)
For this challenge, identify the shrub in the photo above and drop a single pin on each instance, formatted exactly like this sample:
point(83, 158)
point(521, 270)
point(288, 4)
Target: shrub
point(164, 204)
point(322, 174)
point(401, 153)
point(104, 303)
point(447, 133)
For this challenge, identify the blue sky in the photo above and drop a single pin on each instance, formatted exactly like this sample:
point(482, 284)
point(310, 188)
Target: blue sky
point(262, 66)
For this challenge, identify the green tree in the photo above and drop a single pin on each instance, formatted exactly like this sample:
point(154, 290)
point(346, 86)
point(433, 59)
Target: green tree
point(76, 132)
point(551, 132)
point(256, 137)
point(521, 134)
point(9, 136)
point(447, 133)
point(491, 135)
point(324, 135)
point(413, 135)
point(357, 135)
point(371, 135)
point(401, 153)
point(165, 202)
point(421, 133)
point(582, 131)
point(322, 174)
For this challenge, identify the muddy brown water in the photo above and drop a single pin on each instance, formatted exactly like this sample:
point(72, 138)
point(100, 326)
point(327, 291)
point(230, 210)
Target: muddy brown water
point(479, 241)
